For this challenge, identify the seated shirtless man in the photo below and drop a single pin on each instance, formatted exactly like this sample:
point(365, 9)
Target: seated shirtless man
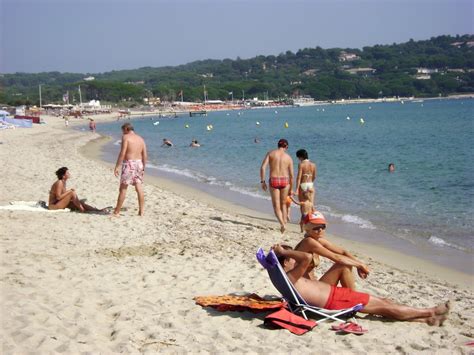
point(61, 198)
point(320, 294)
point(281, 179)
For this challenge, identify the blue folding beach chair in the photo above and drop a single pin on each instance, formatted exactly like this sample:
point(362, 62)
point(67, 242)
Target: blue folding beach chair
point(296, 303)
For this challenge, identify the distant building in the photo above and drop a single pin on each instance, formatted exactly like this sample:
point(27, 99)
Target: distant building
point(347, 57)
point(310, 72)
point(423, 77)
point(207, 75)
point(152, 101)
point(89, 78)
point(361, 71)
point(426, 71)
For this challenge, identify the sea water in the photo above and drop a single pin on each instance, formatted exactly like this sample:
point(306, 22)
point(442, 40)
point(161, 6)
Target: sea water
point(428, 200)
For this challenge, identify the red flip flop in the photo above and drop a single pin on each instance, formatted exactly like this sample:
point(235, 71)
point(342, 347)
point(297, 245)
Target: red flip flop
point(340, 326)
point(353, 328)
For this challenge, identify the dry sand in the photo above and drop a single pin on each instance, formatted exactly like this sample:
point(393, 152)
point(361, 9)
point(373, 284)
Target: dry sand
point(75, 282)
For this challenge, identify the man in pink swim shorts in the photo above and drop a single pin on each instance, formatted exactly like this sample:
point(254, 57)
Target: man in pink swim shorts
point(133, 158)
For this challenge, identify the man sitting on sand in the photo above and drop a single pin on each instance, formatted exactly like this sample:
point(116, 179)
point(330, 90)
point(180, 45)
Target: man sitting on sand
point(132, 157)
point(281, 179)
point(320, 294)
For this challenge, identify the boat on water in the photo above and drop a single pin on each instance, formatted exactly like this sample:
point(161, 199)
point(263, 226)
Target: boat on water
point(303, 101)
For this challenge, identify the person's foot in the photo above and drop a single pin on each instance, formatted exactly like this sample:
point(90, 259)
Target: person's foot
point(443, 308)
point(282, 229)
point(437, 321)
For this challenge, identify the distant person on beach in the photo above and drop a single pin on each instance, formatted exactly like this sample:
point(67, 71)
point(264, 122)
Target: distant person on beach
point(167, 143)
point(66, 121)
point(391, 168)
point(92, 126)
point(315, 243)
point(195, 144)
point(61, 198)
point(321, 294)
point(132, 158)
point(306, 175)
point(306, 206)
point(280, 181)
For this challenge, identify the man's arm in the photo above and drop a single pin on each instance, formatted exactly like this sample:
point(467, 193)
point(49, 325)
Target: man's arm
point(291, 174)
point(263, 168)
point(144, 155)
point(302, 261)
point(121, 156)
point(315, 172)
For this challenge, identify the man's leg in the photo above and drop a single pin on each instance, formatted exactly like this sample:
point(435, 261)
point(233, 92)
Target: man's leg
point(121, 198)
point(339, 273)
point(275, 193)
point(387, 308)
point(283, 196)
point(141, 199)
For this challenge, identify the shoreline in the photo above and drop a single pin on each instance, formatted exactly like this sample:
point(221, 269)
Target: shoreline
point(93, 150)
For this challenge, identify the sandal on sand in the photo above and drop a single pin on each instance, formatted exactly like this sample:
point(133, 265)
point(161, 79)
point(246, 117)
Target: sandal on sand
point(353, 328)
point(340, 326)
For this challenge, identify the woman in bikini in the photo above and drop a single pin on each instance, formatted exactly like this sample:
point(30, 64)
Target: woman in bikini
point(315, 243)
point(60, 197)
point(306, 175)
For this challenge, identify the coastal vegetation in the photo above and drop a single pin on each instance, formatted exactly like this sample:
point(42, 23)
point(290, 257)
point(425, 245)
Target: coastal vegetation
point(436, 67)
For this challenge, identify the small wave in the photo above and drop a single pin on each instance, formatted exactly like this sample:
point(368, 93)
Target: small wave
point(244, 191)
point(442, 243)
point(118, 142)
point(362, 223)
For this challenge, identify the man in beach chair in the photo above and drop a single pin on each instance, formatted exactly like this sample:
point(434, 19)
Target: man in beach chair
point(286, 268)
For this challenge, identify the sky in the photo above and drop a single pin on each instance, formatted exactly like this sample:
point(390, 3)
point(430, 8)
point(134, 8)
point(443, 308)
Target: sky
point(94, 36)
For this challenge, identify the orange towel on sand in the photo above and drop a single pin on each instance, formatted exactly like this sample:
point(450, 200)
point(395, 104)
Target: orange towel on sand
point(252, 303)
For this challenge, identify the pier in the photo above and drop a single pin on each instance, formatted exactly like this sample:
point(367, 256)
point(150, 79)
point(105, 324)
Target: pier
point(197, 113)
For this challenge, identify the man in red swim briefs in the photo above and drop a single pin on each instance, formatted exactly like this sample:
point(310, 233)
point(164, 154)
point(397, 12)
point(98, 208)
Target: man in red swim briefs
point(133, 158)
point(320, 294)
point(281, 179)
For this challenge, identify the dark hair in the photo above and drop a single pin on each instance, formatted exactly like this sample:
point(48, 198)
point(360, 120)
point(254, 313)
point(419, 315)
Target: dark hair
point(282, 143)
point(281, 258)
point(61, 172)
point(303, 154)
point(127, 127)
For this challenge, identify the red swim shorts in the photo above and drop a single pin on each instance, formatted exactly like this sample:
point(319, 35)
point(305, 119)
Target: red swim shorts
point(341, 298)
point(279, 182)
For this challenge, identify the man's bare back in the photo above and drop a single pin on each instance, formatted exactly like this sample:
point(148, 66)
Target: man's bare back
point(280, 163)
point(134, 146)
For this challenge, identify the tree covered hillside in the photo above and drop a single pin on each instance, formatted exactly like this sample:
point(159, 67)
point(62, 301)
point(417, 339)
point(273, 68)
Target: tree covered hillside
point(438, 66)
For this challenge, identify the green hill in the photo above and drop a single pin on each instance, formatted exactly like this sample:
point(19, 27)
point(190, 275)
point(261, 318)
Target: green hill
point(439, 66)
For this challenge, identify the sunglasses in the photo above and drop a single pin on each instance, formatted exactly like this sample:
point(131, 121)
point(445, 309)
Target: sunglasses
point(318, 228)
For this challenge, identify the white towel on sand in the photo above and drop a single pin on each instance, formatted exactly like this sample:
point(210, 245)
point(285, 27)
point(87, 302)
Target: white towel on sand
point(33, 206)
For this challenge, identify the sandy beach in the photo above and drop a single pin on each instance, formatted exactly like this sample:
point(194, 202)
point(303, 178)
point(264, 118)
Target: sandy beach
point(74, 282)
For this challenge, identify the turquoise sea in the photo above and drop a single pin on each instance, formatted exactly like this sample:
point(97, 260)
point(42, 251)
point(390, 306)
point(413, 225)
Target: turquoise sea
point(426, 204)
